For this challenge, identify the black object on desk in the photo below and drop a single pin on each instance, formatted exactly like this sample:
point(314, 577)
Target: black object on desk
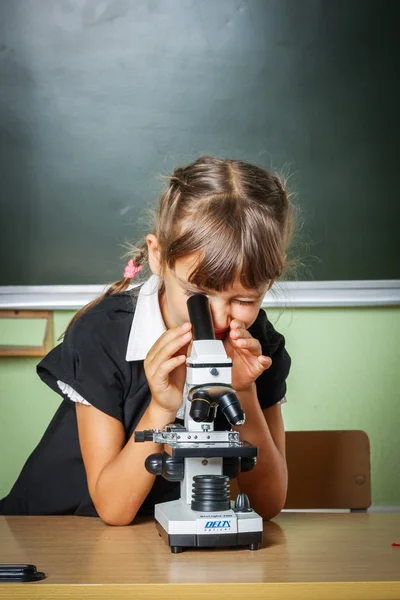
point(19, 573)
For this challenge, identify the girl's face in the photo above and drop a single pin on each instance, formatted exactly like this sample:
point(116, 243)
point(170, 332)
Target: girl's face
point(235, 303)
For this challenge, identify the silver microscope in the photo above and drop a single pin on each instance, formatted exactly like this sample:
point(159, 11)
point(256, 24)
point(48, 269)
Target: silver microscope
point(202, 459)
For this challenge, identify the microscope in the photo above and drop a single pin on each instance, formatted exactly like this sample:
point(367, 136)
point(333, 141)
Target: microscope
point(204, 460)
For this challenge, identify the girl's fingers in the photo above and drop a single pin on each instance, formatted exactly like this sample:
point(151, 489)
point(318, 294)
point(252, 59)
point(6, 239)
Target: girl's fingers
point(238, 325)
point(248, 343)
point(265, 361)
point(168, 366)
point(243, 339)
point(169, 336)
point(168, 350)
point(239, 333)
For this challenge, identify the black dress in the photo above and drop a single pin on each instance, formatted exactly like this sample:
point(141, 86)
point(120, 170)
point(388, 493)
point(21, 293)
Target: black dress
point(92, 361)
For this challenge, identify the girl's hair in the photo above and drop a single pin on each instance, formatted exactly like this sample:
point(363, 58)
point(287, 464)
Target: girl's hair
point(236, 215)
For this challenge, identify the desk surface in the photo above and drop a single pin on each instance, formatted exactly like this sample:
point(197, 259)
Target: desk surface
point(304, 555)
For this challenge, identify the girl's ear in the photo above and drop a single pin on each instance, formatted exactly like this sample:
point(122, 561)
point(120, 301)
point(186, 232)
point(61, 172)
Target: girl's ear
point(153, 249)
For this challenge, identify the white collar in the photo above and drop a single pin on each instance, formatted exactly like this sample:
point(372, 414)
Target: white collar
point(147, 325)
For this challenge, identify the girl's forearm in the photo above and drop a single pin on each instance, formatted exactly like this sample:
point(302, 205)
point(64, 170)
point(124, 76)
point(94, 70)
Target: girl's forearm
point(266, 484)
point(124, 483)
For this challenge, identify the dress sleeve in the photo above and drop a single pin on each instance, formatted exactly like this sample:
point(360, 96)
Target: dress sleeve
point(271, 385)
point(72, 394)
point(91, 362)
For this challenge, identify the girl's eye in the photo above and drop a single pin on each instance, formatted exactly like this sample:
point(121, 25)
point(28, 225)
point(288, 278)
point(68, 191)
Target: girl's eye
point(245, 303)
point(241, 302)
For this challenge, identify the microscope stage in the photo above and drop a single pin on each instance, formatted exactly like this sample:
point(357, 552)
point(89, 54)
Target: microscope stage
point(212, 449)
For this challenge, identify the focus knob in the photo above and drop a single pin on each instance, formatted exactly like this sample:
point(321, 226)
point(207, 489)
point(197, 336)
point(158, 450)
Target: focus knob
point(242, 504)
point(154, 463)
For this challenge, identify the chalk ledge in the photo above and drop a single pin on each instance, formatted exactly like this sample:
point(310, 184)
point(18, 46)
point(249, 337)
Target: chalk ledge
point(299, 294)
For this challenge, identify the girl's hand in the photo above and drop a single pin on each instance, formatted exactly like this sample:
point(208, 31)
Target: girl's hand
point(245, 352)
point(165, 367)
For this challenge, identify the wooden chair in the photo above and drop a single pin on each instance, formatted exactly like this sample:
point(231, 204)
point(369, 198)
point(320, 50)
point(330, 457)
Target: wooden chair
point(328, 470)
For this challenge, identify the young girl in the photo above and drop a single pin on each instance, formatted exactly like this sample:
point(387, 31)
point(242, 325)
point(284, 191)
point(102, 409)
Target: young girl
point(222, 229)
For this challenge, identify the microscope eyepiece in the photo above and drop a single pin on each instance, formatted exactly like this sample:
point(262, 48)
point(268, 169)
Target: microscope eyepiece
point(200, 317)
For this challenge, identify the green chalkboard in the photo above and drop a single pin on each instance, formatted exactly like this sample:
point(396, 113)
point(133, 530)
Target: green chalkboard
point(100, 97)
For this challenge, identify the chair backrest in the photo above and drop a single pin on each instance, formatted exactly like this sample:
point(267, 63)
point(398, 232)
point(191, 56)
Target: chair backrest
point(328, 469)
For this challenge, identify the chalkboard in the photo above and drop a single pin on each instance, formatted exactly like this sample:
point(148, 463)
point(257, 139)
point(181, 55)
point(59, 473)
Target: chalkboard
point(100, 97)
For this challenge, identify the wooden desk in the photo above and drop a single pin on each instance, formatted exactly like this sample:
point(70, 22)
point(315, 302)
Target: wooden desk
point(304, 556)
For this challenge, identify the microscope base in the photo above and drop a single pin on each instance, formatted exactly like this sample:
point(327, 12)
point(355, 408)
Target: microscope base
point(182, 527)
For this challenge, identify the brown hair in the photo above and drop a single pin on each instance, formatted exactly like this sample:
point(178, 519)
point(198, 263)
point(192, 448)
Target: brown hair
point(235, 214)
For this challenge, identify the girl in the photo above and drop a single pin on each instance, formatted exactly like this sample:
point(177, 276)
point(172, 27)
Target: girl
point(222, 229)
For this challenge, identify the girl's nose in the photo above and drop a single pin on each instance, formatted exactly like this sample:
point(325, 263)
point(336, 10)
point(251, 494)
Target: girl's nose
point(220, 316)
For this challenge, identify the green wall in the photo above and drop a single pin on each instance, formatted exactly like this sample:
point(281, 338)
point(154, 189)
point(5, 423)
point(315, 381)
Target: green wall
point(345, 375)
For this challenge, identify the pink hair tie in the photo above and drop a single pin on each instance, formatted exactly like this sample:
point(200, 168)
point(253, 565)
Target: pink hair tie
point(131, 270)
